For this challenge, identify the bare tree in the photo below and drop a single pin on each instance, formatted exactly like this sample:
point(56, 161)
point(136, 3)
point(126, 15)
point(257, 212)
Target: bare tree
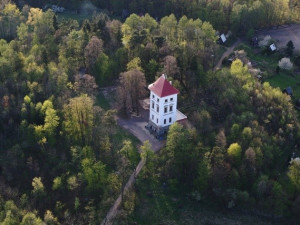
point(170, 66)
point(131, 90)
point(114, 30)
point(85, 84)
point(92, 51)
point(123, 101)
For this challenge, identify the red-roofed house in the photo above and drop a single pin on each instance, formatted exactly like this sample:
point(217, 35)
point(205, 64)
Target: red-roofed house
point(163, 105)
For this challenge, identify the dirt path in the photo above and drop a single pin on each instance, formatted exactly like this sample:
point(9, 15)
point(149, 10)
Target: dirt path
point(283, 34)
point(136, 126)
point(226, 54)
point(108, 220)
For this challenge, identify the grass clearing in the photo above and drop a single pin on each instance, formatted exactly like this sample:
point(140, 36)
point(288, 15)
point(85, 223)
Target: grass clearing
point(120, 134)
point(102, 102)
point(283, 80)
point(268, 63)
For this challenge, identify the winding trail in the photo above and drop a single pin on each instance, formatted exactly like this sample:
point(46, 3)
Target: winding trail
point(226, 54)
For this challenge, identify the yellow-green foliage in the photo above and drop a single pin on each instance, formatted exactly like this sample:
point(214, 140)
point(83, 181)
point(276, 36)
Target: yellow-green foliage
point(235, 153)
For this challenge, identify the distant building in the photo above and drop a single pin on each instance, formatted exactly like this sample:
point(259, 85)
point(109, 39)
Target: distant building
point(163, 106)
point(273, 47)
point(223, 38)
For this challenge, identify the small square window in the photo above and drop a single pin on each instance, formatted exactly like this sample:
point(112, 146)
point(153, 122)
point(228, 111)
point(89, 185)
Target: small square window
point(166, 100)
point(152, 96)
point(170, 120)
point(157, 99)
point(171, 99)
point(165, 121)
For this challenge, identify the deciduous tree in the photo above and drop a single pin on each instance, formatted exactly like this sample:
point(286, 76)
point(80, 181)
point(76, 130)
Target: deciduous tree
point(79, 119)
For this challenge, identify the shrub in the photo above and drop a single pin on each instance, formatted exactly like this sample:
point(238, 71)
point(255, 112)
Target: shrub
point(285, 63)
point(264, 42)
point(290, 48)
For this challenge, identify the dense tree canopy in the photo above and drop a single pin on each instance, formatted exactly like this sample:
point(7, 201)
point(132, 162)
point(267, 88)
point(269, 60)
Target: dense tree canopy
point(64, 160)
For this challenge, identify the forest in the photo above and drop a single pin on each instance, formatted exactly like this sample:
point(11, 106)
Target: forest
point(63, 157)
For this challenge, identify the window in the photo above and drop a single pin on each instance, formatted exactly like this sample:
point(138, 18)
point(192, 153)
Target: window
point(165, 121)
point(170, 120)
point(157, 99)
point(156, 120)
point(157, 108)
point(152, 117)
point(166, 109)
point(171, 108)
point(166, 100)
point(171, 99)
point(152, 104)
point(152, 96)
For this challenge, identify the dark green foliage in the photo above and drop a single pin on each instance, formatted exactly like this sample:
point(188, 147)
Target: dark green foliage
point(290, 48)
point(247, 164)
point(61, 152)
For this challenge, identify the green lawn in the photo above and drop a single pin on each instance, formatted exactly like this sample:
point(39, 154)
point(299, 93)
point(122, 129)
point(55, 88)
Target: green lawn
point(102, 102)
point(121, 135)
point(283, 80)
point(268, 63)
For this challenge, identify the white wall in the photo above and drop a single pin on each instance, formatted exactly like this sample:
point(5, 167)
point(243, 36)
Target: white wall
point(159, 118)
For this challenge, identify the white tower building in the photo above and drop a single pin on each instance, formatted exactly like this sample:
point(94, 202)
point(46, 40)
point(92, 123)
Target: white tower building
point(163, 105)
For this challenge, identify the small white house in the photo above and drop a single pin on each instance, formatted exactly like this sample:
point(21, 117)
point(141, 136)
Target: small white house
point(273, 47)
point(163, 105)
point(223, 38)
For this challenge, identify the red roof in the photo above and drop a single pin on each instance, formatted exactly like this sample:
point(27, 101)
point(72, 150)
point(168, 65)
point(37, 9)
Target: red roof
point(162, 87)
